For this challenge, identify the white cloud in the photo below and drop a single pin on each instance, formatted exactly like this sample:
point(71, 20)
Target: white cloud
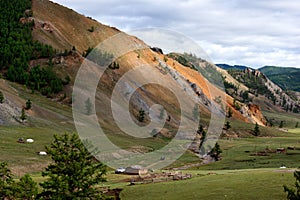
point(254, 33)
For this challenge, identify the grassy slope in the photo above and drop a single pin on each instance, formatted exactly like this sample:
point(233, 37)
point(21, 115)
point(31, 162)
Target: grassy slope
point(245, 184)
point(289, 119)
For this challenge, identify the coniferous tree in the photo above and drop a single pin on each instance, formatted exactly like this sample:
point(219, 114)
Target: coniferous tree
point(23, 115)
point(281, 124)
point(202, 139)
point(6, 182)
point(1, 97)
point(141, 116)
point(256, 130)
point(229, 114)
point(88, 106)
point(28, 104)
point(227, 125)
point(161, 114)
point(26, 188)
point(74, 173)
point(216, 152)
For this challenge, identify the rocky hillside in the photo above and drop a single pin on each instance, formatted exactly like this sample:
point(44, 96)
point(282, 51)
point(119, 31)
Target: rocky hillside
point(261, 87)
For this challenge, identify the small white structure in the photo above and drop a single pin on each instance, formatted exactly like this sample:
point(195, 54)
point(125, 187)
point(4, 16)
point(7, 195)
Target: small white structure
point(42, 153)
point(29, 140)
point(120, 170)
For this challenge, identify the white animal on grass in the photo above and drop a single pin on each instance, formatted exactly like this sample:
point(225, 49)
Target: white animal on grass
point(42, 153)
point(30, 140)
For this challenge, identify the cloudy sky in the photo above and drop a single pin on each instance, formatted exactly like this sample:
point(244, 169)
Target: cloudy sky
point(253, 33)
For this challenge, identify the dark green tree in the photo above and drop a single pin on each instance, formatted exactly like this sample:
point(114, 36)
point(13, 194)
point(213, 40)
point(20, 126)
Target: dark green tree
point(229, 113)
point(141, 116)
point(6, 182)
point(296, 126)
point(281, 124)
point(74, 173)
point(196, 113)
point(245, 96)
point(26, 188)
point(256, 130)
point(202, 139)
point(292, 193)
point(161, 114)
point(200, 129)
point(1, 97)
point(92, 29)
point(88, 106)
point(227, 125)
point(23, 115)
point(216, 152)
point(28, 104)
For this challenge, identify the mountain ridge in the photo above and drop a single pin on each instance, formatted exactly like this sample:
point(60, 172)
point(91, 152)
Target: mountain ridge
point(288, 78)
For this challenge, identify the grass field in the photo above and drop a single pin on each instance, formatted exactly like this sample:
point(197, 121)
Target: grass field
point(234, 177)
point(238, 184)
point(289, 119)
point(238, 153)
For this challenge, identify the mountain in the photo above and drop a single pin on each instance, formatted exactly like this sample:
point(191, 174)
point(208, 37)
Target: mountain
point(228, 67)
point(59, 41)
point(62, 28)
point(287, 78)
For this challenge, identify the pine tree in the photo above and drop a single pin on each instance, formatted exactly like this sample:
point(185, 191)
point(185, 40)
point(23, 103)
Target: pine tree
point(28, 104)
point(6, 182)
point(88, 106)
point(26, 188)
point(227, 125)
point(296, 126)
point(200, 129)
point(161, 114)
point(1, 97)
point(216, 152)
point(229, 114)
point(256, 130)
point(202, 139)
point(196, 113)
point(74, 173)
point(281, 124)
point(23, 115)
point(141, 116)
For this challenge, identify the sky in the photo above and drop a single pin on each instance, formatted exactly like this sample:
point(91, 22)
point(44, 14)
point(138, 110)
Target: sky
point(253, 33)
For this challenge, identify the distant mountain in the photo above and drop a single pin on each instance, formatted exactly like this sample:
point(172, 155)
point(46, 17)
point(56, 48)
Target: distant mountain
point(288, 78)
point(227, 67)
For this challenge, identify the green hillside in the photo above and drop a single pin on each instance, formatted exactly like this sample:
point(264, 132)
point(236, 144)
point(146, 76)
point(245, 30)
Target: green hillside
point(287, 78)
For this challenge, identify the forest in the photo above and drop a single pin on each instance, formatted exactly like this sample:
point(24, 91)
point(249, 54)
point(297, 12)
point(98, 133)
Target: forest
point(18, 48)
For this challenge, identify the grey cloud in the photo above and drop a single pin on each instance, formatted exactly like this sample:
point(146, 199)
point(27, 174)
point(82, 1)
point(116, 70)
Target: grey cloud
point(230, 31)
